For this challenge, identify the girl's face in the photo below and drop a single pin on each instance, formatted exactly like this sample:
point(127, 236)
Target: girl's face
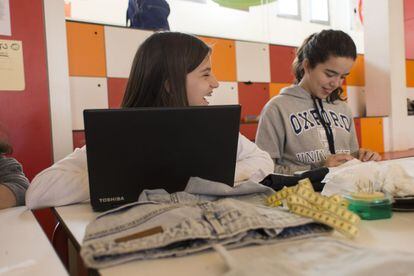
point(326, 77)
point(200, 83)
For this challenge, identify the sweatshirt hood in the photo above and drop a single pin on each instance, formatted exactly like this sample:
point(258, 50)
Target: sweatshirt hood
point(297, 92)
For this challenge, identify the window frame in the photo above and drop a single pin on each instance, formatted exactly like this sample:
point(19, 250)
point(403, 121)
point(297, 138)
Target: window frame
point(317, 21)
point(290, 16)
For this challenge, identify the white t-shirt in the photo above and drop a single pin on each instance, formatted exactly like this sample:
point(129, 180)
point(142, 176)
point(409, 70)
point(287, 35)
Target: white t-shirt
point(66, 182)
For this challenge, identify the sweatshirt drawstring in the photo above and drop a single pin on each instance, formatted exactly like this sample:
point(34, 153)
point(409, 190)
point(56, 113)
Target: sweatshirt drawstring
point(326, 125)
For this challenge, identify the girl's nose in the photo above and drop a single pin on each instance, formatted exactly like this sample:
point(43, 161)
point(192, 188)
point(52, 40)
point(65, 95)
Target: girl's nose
point(214, 83)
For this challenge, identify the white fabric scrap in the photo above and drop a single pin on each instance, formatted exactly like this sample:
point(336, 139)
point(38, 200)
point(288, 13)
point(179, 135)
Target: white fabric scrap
point(394, 177)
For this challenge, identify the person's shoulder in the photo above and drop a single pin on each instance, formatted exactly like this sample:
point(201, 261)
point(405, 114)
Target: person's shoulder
point(9, 162)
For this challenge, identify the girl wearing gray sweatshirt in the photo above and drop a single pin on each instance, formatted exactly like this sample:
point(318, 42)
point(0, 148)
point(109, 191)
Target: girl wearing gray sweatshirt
point(309, 125)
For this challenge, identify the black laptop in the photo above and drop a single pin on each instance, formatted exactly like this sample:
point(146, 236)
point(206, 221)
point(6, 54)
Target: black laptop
point(129, 150)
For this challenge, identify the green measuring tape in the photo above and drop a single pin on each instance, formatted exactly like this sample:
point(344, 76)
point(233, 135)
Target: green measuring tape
point(304, 201)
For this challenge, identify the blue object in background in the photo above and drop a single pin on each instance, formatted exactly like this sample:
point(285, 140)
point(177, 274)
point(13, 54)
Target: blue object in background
point(148, 14)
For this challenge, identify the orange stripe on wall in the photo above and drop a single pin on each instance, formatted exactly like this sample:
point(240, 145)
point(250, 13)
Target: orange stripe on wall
point(409, 70)
point(86, 49)
point(357, 75)
point(274, 88)
point(223, 58)
point(372, 134)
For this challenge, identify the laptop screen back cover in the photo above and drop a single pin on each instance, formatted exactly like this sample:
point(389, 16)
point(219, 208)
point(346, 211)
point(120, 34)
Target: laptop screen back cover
point(129, 150)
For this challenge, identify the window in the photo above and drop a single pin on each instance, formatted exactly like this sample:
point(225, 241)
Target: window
point(288, 8)
point(319, 11)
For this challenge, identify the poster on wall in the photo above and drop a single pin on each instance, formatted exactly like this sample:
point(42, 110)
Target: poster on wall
point(5, 28)
point(11, 66)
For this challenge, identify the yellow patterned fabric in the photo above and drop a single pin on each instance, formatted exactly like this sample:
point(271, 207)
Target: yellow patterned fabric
point(304, 201)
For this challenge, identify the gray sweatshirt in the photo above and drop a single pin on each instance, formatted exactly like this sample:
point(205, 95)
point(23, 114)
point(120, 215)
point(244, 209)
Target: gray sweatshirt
point(291, 132)
point(12, 176)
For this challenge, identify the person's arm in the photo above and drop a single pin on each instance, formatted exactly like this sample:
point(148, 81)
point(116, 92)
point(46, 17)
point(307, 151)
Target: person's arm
point(291, 169)
point(63, 183)
point(252, 162)
point(7, 197)
point(13, 183)
point(270, 137)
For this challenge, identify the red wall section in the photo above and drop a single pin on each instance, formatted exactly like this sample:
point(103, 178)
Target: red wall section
point(116, 90)
point(408, 9)
point(409, 28)
point(281, 58)
point(409, 38)
point(249, 130)
point(252, 98)
point(26, 114)
point(78, 139)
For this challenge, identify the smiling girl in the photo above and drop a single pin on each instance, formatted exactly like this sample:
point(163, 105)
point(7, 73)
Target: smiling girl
point(170, 69)
point(309, 125)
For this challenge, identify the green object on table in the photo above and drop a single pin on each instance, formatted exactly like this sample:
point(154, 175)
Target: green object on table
point(242, 4)
point(371, 209)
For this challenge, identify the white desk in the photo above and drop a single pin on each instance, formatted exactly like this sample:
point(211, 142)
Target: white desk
point(24, 248)
point(396, 233)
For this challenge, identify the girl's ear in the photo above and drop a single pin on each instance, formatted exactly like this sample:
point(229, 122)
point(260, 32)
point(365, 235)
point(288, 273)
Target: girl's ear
point(305, 65)
point(167, 86)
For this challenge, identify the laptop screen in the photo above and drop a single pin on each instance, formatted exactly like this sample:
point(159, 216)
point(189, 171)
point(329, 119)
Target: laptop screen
point(129, 150)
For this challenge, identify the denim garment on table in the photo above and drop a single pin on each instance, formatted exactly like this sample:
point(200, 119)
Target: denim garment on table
point(165, 225)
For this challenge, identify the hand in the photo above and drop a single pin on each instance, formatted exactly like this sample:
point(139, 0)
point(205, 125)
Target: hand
point(367, 155)
point(335, 160)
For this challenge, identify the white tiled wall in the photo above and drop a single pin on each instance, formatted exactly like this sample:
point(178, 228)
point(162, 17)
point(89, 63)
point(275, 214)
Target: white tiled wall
point(226, 93)
point(253, 62)
point(86, 93)
point(120, 48)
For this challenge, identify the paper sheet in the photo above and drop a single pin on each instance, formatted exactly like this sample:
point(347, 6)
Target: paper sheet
point(11, 65)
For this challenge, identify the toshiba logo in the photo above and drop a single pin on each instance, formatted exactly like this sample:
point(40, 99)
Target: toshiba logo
point(111, 199)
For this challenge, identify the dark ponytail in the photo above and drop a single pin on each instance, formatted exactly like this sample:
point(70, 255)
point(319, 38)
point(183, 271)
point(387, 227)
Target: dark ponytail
point(318, 48)
point(297, 66)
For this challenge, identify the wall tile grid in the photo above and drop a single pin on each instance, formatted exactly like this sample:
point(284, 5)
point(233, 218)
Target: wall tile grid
point(249, 74)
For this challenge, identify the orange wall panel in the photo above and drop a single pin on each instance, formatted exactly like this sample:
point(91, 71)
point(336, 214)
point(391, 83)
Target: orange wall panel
point(357, 75)
point(274, 88)
point(223, 58)
point(372, 134)
point(409, 70)
point(86, 49)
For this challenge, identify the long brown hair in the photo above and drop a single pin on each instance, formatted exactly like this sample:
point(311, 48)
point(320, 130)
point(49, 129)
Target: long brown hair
point(318, 48)
point(160, 67)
